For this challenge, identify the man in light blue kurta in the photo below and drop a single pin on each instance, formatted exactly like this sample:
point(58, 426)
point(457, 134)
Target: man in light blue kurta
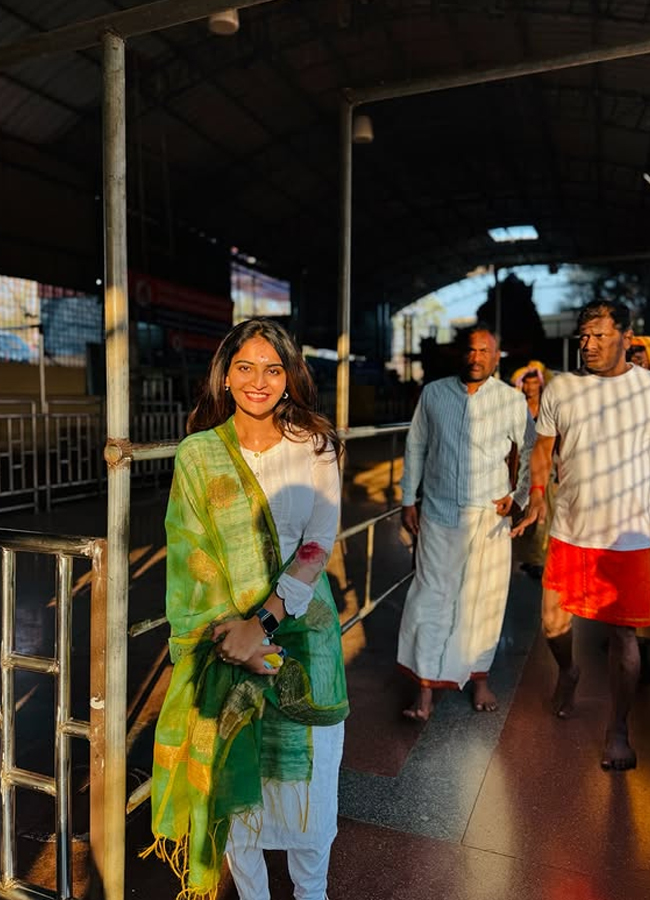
point(458, 446)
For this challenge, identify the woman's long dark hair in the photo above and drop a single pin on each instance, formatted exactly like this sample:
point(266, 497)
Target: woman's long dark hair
point(292, 415)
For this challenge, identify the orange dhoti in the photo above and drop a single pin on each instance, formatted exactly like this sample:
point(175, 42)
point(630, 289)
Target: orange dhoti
point(611, 586)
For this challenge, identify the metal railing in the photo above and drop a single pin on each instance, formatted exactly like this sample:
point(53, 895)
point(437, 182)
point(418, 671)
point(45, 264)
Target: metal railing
point(369, 604)
point(18, 451)
point(66, 727)
point(56, 456)
point(65, 549)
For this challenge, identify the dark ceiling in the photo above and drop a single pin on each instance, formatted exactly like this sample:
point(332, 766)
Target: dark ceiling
point(236, 139)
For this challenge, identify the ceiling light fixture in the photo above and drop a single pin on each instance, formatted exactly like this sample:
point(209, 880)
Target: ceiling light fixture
point(646, 175)
point(224, 23)
point(362, 132)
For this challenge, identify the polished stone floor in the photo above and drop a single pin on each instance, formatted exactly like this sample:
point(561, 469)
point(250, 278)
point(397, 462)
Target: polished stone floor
point(471, 806)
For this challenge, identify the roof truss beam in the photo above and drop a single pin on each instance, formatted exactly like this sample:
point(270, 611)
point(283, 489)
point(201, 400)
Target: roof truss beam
point(143, 19)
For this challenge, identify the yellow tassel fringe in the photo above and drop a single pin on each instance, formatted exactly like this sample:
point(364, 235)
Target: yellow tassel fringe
point(176, 855)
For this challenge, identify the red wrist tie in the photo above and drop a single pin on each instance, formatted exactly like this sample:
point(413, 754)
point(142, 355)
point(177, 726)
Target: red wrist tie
point(538, 487)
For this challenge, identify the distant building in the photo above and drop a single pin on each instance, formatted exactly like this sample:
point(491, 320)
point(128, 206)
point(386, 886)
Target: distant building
point(560, 324)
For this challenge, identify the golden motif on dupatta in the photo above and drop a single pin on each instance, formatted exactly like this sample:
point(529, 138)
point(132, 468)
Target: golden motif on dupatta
point(168, 756)
point(202, 567)
point(222, 491)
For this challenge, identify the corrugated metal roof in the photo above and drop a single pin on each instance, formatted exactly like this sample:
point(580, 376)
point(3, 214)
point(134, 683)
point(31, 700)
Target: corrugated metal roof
point(257, 115)
point(74, 80)
point(22, 117)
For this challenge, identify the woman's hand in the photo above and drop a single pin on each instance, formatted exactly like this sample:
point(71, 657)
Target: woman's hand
point(239, 639)
point(256, 664)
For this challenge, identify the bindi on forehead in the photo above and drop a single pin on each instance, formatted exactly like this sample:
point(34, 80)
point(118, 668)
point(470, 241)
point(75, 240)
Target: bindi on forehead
point(257, 350)
point(258, 359)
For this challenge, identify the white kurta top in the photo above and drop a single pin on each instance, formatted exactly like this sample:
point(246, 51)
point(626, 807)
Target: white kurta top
point(304, 494)
point(603, 498)
point(303, 491)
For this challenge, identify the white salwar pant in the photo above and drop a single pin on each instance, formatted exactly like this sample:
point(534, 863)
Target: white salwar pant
point(285, 808)
point(454, 609)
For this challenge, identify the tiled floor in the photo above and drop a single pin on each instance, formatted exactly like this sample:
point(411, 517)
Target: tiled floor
point(503, 806)
point(489, 807)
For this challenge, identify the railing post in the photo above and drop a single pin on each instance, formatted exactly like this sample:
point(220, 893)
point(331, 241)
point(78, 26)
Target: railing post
point(34, 429)
point(97, 715)
point(117, 381)
point(391, 474)
point(370, 554)
point(7, 790)
point(45, 418)
point(63, 756)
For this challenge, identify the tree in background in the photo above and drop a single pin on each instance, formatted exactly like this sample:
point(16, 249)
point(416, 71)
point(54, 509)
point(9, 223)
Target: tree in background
point(629, 287)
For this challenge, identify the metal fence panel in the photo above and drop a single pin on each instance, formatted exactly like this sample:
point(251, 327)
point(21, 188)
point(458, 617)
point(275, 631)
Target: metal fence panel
point(51, 457)
point(66, 728)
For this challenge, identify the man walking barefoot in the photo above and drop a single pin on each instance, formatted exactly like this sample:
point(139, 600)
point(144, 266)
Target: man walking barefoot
point(598, 562)
point(461, 436)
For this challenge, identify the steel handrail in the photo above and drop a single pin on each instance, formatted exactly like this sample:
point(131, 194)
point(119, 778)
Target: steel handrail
point(167, 449)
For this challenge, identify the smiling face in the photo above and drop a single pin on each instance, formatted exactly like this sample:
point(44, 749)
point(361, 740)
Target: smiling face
point(603, 347)
point(256, 378)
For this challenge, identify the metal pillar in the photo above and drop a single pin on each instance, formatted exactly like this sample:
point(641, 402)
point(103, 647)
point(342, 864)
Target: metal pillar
point(408, 348)
point(345, 268)
point(63, 750)
point(498, 315)
point(117, 397)
point(497, 303)
point(565, 354)
point(7, 792)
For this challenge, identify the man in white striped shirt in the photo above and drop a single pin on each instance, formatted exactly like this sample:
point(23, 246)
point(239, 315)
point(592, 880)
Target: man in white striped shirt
point(457, 449)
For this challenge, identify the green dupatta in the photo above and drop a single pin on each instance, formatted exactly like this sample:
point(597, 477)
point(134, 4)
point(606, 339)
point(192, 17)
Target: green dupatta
point(222, 730)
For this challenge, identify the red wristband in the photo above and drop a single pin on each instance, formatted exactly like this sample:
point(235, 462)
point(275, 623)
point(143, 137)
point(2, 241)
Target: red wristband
point(538, 487)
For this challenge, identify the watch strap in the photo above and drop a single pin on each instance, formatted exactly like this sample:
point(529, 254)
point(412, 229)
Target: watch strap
point(268, 621)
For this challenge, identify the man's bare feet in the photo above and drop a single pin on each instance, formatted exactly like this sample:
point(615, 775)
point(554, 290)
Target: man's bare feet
point(422, 708)
point(484, 700)
point(564, 693)
point(617, 754)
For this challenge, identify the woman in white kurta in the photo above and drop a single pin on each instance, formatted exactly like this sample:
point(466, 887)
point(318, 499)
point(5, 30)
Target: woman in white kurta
point(257, 404)
point(304, 495)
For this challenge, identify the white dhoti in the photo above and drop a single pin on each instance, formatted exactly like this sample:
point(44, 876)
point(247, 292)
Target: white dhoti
point(454, 609)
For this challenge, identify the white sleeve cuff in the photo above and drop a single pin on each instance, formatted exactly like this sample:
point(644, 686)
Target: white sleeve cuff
point(295, 594)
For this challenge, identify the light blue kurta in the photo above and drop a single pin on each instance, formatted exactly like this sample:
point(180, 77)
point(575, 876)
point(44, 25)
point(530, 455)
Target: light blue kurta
point(457, 449)
point(458, 444)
